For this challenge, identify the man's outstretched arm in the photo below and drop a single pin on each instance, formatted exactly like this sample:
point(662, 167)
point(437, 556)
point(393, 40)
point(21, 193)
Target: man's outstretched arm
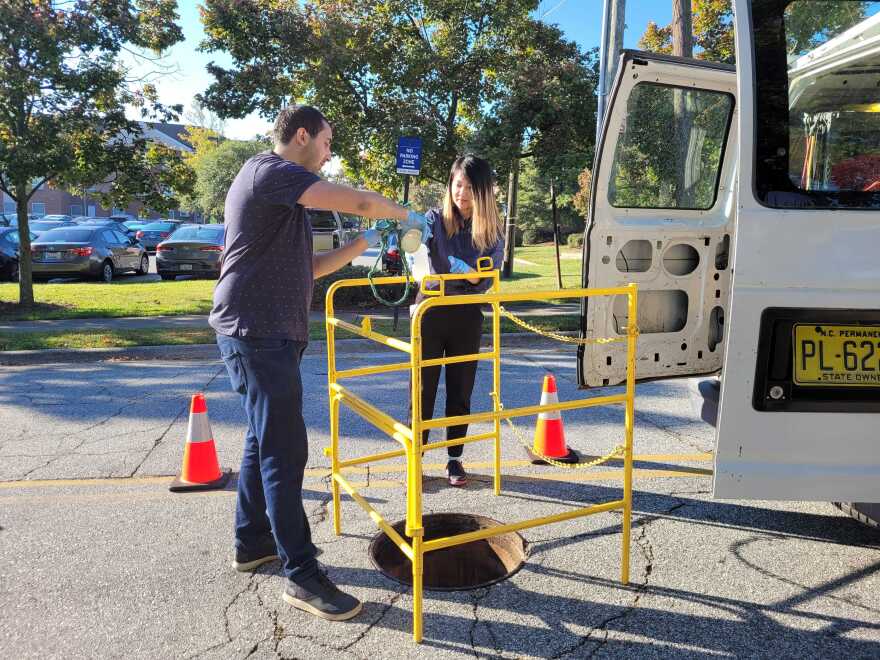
point(333, 197)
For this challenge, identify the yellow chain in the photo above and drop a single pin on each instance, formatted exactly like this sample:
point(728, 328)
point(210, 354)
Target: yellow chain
point(555, 335)
point(618, 452)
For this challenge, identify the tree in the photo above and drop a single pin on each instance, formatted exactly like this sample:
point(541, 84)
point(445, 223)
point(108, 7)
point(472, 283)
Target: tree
point(581, 199)
point(198, 116)
point(215, 172)
point(377, 68)
point(807, 24)
point(63, 98)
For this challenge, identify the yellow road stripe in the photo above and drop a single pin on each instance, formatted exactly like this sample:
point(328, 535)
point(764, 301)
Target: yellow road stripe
point(556, 475)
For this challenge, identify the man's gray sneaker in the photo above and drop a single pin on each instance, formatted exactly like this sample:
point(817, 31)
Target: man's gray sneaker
point(319, 596)
point(455, 473)
point(262, 553)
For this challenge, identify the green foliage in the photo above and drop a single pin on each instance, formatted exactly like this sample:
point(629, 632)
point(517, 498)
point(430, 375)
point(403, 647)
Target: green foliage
point(446, 70)
point(215, 171)
point(665, 129)
point(357, 296)
point(808, 23)
point(535, 204)
point(63, 98)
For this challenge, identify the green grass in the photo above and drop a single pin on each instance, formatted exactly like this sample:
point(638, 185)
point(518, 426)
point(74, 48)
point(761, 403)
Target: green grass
point(33, 341)
point(542, 275)
point(94, 300)
point(119, 299)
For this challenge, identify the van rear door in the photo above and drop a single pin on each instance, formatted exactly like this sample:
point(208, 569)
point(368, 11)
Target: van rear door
point(662, 215)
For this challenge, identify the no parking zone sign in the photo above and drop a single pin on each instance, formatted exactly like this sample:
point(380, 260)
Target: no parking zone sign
point(409, 155)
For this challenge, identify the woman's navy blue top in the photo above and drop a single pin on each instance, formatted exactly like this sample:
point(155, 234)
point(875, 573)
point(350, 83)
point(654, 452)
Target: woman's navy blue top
point(461, 246)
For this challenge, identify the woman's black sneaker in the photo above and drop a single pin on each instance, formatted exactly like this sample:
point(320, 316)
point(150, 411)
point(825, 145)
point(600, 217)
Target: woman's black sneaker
point(262, 553)
point(455, 473)
point(319, 596)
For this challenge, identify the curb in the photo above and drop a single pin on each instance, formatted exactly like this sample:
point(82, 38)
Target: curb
point(201, 352)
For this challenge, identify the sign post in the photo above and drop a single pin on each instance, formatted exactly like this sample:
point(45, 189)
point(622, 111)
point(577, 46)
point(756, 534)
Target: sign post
point(409, 160)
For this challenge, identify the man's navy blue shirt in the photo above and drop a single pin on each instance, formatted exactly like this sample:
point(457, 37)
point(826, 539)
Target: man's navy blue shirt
point(266, 280)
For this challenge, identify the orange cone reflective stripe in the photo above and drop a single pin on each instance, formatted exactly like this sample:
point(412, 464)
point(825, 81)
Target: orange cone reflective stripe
point(201, 469)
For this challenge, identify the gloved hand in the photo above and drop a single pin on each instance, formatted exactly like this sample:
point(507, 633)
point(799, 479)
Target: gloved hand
point(417, 221)
point(458, 266)
point(372, 237)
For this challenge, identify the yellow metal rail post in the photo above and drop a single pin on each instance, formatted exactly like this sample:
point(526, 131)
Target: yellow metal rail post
point(410, 435)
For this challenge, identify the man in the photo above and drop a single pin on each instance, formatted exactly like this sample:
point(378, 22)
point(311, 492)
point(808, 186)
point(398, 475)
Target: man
point(261, 316)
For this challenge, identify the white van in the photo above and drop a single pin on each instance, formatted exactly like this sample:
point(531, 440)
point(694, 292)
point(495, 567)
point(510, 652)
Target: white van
point(746, 205)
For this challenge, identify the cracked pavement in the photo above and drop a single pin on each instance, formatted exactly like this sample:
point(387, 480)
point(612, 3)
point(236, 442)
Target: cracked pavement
point(100, 560)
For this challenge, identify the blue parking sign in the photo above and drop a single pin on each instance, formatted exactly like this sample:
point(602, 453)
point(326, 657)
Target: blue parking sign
point(409, 155)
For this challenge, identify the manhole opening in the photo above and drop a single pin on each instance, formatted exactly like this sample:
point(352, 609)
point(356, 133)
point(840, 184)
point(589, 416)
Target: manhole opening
point(459, 568)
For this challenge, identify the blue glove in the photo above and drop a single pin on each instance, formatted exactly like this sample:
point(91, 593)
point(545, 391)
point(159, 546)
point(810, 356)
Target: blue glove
point(458, 266)
point(417, 221)
point(372, 237)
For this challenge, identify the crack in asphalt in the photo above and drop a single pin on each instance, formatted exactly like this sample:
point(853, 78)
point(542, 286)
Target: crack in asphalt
point(643, 542)
point(678, 435)
point(387, 608)
point(477, 601)
point(159, 440)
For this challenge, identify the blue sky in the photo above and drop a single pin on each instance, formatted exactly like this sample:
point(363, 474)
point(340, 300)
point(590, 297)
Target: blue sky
point(580, 20)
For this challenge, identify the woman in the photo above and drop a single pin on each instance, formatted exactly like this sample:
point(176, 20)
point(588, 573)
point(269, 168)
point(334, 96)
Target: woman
point(467, 228)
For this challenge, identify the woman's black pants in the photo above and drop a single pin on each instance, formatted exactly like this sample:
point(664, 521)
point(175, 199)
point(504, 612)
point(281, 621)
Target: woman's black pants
point(446, 332)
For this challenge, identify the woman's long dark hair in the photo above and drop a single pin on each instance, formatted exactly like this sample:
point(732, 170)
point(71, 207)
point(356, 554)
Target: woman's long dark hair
point(486, 227)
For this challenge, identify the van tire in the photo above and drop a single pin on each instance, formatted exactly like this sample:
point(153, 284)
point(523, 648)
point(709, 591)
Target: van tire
point(850, 509)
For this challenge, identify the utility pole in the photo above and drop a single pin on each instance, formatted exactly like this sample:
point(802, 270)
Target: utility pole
point(613, 25)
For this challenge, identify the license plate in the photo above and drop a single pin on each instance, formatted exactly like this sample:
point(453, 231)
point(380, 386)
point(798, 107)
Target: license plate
point(837, 355)
point(186, 267)
point(52, 256)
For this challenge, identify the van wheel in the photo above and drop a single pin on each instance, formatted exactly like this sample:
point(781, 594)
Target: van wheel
point(14, 273)
point(145, 265)
point(106, 275)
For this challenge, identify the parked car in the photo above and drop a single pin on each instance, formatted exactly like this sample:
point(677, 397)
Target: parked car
point(39, 227)
point(6, 219)
point(9, 252)
point(99, 251)
point(134, 225)
point(391, 262)
point(108, 222)
point(150, 235)
point(122, 217)
point(191, 250)
point(327, 230)
point(57, 217)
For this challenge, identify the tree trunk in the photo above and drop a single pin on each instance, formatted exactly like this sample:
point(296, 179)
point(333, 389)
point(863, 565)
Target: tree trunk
point(510, 233)
point(556, 234)
point(25, 272)
point(682, 45)
point(682, 29)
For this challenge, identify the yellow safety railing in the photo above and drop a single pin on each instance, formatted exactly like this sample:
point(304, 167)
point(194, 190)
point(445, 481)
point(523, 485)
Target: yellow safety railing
point(409, 436)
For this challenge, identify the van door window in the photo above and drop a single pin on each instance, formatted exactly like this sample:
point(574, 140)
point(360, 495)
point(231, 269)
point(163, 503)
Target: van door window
point(670, 152)
point(818, 116)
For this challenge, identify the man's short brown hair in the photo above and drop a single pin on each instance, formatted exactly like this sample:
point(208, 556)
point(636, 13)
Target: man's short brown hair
point(295, 117)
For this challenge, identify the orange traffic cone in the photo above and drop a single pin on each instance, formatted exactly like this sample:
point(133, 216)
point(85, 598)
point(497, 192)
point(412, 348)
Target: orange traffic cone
point(200, 471)
point(549, 436)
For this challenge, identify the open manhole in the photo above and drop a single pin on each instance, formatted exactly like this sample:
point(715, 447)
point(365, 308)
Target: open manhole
point(461, 567)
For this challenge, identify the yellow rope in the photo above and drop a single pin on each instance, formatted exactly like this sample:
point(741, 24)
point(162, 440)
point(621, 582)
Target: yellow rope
point(618, 452)
point(555, 335)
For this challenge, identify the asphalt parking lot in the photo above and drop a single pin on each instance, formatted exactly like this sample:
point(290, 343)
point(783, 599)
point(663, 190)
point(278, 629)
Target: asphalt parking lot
point(100, 560)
